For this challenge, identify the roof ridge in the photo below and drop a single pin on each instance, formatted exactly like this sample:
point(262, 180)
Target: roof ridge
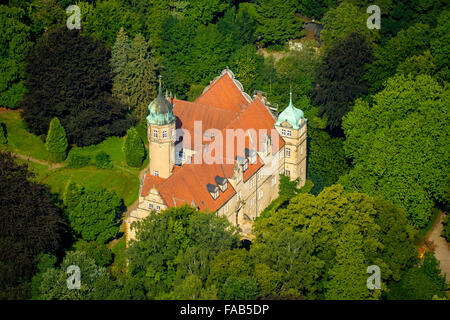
point(206, 106)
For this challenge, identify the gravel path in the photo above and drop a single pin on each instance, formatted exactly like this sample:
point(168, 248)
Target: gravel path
point(442, 249)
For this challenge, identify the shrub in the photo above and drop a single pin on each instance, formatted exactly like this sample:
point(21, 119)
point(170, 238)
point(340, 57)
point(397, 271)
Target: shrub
point(133, 148)
point(3, 136)
point(102, 255)
point(77, 160)
point(102, 160)
point(56, 142)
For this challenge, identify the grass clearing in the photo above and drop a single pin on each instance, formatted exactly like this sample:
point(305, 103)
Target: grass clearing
point(124, 180)
point(125, 184)
point(20, 140)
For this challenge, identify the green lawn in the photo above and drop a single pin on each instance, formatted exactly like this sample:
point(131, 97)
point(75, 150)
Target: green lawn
point(125, 184)
point(19, 139)
point(121, 178)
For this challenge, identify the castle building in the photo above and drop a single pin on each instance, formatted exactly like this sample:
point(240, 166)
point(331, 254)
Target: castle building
point(222, 152)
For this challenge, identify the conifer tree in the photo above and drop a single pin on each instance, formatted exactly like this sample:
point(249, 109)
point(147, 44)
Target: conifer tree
point(56, 142)
point(141, 76)
point(133, 148)
point(119, 59)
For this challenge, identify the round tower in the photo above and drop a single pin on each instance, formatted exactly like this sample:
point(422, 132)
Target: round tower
point(161, 135)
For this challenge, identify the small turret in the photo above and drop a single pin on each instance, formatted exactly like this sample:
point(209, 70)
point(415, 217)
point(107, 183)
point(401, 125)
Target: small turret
point(291, 125)
point(291, 114)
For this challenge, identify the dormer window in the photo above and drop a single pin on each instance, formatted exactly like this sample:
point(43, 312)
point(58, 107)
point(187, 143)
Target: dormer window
point(251, 154)
point(243, 162)
point(213, 190)
point(266, 145)
point(222, 183)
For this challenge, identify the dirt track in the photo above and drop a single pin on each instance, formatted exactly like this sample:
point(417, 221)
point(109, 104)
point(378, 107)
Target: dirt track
point(442, 249)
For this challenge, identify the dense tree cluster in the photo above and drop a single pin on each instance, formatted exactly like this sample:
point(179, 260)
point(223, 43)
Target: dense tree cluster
point(30, 224)
point(377, 108)
point(339, 81)
point(59, 65)
point(399, 145)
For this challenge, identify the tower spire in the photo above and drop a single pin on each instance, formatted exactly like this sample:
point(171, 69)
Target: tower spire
point(290, 97)
point(160, 87)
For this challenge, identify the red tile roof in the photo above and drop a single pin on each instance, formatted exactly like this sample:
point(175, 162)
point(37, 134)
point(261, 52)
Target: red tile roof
point(187, 185)
point(222, 106)
point(150, 182)
point(224, 94)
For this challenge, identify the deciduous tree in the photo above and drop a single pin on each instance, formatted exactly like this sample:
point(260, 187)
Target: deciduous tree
point(30, 224)
point(399, 142)
point(68, 76)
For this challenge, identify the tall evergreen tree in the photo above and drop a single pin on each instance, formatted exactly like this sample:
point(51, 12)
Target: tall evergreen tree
point(141, 76)
point(56, 142)
point(119, 60)
point(133, 148)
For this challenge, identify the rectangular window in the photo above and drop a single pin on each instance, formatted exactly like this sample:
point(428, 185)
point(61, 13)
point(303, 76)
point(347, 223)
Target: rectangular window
point(274, 180)
point(252, 202)
point(287, 172)
point(289, 133)
point(260, 194)
point(156, 173)
point(283, 132)
point(258, 175)
point(155, 133)
point(288, 152)
point(158, 208)
point(252, 182)
point(150, 206)
point(164, 134)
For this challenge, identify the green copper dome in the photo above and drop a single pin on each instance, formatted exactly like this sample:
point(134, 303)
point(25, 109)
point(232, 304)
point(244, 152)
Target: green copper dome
point(161, 110)
point(291, 114)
